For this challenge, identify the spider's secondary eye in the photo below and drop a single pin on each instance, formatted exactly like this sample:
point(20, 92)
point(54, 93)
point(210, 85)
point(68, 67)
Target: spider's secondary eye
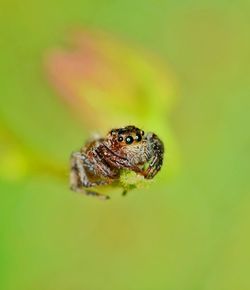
point(142, 133)
point(138, 137)
point(120, 138)
point(129, 140)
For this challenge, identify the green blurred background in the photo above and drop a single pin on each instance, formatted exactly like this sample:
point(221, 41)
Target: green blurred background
point(179, 68)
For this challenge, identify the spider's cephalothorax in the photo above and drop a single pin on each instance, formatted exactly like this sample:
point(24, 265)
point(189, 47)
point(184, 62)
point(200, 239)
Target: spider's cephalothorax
point(100, 161)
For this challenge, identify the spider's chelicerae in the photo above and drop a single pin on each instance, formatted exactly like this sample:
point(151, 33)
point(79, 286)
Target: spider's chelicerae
point(101, 161)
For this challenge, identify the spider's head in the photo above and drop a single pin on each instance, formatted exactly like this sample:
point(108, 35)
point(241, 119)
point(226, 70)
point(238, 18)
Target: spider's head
point(130, 143)
point(126, 136)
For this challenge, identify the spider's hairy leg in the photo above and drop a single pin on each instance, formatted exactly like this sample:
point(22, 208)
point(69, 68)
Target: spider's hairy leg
point(79, 178)
point(157, 156)
point(101, 165)
point(154, 167)
point(116, 161)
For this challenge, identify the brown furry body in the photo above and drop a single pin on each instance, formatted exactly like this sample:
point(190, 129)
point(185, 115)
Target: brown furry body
point(99, 162)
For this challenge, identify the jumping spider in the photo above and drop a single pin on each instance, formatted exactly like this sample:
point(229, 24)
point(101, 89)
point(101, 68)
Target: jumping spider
point(100, 161)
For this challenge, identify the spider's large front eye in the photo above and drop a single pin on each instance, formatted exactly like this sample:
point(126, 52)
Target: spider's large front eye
point(120, 138)
point(129, 140)
point(138, 137)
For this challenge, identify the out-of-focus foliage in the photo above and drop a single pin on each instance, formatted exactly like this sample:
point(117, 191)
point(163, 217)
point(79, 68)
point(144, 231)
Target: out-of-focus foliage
point(108, 83)
point(70, 68)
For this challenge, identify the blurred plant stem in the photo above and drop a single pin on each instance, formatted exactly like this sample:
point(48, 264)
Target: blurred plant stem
point(18, 159)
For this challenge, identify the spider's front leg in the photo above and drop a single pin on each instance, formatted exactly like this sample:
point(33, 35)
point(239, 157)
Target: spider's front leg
point(116, 161)
point(156, 160)
point(79, 178)
point(153, 168)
